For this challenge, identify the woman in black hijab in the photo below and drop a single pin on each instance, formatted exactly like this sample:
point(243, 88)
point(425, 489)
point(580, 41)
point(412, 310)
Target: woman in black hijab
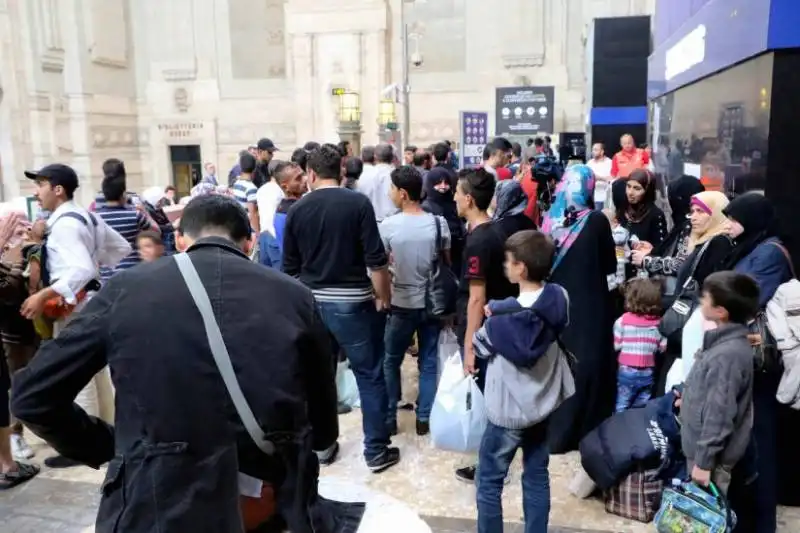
point(439, 200)
point(640, 215)
point(759, 253)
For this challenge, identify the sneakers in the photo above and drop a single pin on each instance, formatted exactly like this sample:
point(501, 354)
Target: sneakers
point(423, 428)
point(384, 461)
point(20, 449)
point(467, 475)
point(329, 456)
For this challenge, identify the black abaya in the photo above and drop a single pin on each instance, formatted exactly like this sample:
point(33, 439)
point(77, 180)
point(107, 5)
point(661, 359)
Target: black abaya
point(583, 273)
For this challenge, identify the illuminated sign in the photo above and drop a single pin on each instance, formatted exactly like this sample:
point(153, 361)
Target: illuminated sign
point(687, 53)
point(338, 91)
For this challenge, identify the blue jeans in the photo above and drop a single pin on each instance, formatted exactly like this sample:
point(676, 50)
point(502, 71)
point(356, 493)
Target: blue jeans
point(358, 329)
point(400, 329)
point(498, 448)
point(634, 387)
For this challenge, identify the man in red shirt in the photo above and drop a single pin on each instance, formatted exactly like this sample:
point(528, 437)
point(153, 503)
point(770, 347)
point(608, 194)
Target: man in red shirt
point(628, 159)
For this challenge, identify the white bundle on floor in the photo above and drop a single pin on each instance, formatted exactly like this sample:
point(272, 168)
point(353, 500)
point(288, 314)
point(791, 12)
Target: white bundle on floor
point(383, 514)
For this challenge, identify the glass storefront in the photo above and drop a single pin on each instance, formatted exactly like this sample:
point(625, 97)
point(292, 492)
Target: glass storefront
point(716, 129)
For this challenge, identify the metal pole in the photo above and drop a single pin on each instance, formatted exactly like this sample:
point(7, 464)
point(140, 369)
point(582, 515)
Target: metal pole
point(405, 89)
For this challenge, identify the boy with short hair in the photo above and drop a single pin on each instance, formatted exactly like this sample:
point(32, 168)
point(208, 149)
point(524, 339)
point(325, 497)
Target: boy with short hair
point(527, 378)
point(150, 246)
point(717, 399)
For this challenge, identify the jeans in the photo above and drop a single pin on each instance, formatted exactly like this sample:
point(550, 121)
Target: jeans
point(634, 387)
point(498, 448)
point(400, 329)
point(358, 329)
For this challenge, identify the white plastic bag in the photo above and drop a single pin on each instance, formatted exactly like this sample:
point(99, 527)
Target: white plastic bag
point(447, 346)
point(458, 417)
point(346, 386)
point(691, 343)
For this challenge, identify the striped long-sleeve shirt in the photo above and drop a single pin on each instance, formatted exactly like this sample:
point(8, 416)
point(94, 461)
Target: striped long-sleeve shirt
point(128, 222)
point(638, 340)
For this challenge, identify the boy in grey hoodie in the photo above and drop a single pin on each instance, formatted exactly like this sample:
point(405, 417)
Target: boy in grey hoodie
point(717, 399)
point(527, 378)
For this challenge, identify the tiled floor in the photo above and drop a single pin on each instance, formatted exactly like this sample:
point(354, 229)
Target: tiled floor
point(65, 501)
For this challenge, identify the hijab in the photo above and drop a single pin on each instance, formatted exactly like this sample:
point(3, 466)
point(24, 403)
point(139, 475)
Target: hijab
point(635, 213)
point(153, 195)
point(680, 195)
point(440, 201)
point(568, 215)
point(510, 199)
point(758, 217)
point(713, 203)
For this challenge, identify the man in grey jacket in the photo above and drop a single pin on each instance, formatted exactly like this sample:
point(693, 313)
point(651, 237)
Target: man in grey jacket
point(717, 400)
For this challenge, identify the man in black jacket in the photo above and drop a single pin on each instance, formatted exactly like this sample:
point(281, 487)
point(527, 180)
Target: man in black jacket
point(178, 442)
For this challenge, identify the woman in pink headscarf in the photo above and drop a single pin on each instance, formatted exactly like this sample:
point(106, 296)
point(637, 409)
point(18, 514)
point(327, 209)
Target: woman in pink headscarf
point(19, 345)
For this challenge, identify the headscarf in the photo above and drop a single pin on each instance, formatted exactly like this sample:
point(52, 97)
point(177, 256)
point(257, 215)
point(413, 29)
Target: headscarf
point(713, 203)
point(680, 194)
point(440, 201)
point(759, 219)
point(570, 209)
point(510, 199)
point(153, 195)
point(637, 212)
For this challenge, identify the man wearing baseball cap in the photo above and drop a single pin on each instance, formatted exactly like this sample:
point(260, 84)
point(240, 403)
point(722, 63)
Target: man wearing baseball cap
point(75, 243)
point(265, 149)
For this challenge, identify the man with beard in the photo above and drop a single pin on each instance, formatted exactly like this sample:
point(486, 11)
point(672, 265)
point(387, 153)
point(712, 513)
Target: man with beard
point(265, 149)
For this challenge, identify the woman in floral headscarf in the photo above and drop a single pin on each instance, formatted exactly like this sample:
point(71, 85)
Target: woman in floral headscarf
point(585, 258)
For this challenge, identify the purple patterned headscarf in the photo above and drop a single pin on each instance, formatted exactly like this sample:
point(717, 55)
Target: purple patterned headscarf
point(573, 203)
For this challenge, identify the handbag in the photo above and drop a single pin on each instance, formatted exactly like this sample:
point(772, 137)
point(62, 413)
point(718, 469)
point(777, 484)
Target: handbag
point(636, 497)
point(441, 289)
point(687, 508)
point(684, 305)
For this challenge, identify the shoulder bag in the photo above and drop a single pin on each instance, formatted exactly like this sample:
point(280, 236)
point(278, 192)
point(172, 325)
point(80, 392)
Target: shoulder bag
point(767, 356)
point(678, 314)
point(442, 286)
point(220, 352)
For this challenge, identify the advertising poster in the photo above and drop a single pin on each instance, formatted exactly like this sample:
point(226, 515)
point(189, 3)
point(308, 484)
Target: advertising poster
point(524, 110)
point(474, 136)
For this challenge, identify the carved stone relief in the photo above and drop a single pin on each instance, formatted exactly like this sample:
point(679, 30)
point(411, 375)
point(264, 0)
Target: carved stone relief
point(435, 131)
point(114, 136)
point(108, 33)
point(181, 98)
point(51, 46)
point(437, 30)
point(258, 39)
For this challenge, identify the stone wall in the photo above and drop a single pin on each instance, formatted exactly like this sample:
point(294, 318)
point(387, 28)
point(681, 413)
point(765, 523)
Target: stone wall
point(84, 80)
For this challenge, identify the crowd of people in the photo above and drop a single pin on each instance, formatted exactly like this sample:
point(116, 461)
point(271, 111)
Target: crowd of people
point(551, 262)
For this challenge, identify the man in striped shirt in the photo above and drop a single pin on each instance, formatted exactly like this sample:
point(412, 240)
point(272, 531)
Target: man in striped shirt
point(120, 216)
point(245, 191)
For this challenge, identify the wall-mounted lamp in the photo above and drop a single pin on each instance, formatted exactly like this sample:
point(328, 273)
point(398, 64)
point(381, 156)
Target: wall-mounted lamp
point(349, 107)
point(386, 112)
